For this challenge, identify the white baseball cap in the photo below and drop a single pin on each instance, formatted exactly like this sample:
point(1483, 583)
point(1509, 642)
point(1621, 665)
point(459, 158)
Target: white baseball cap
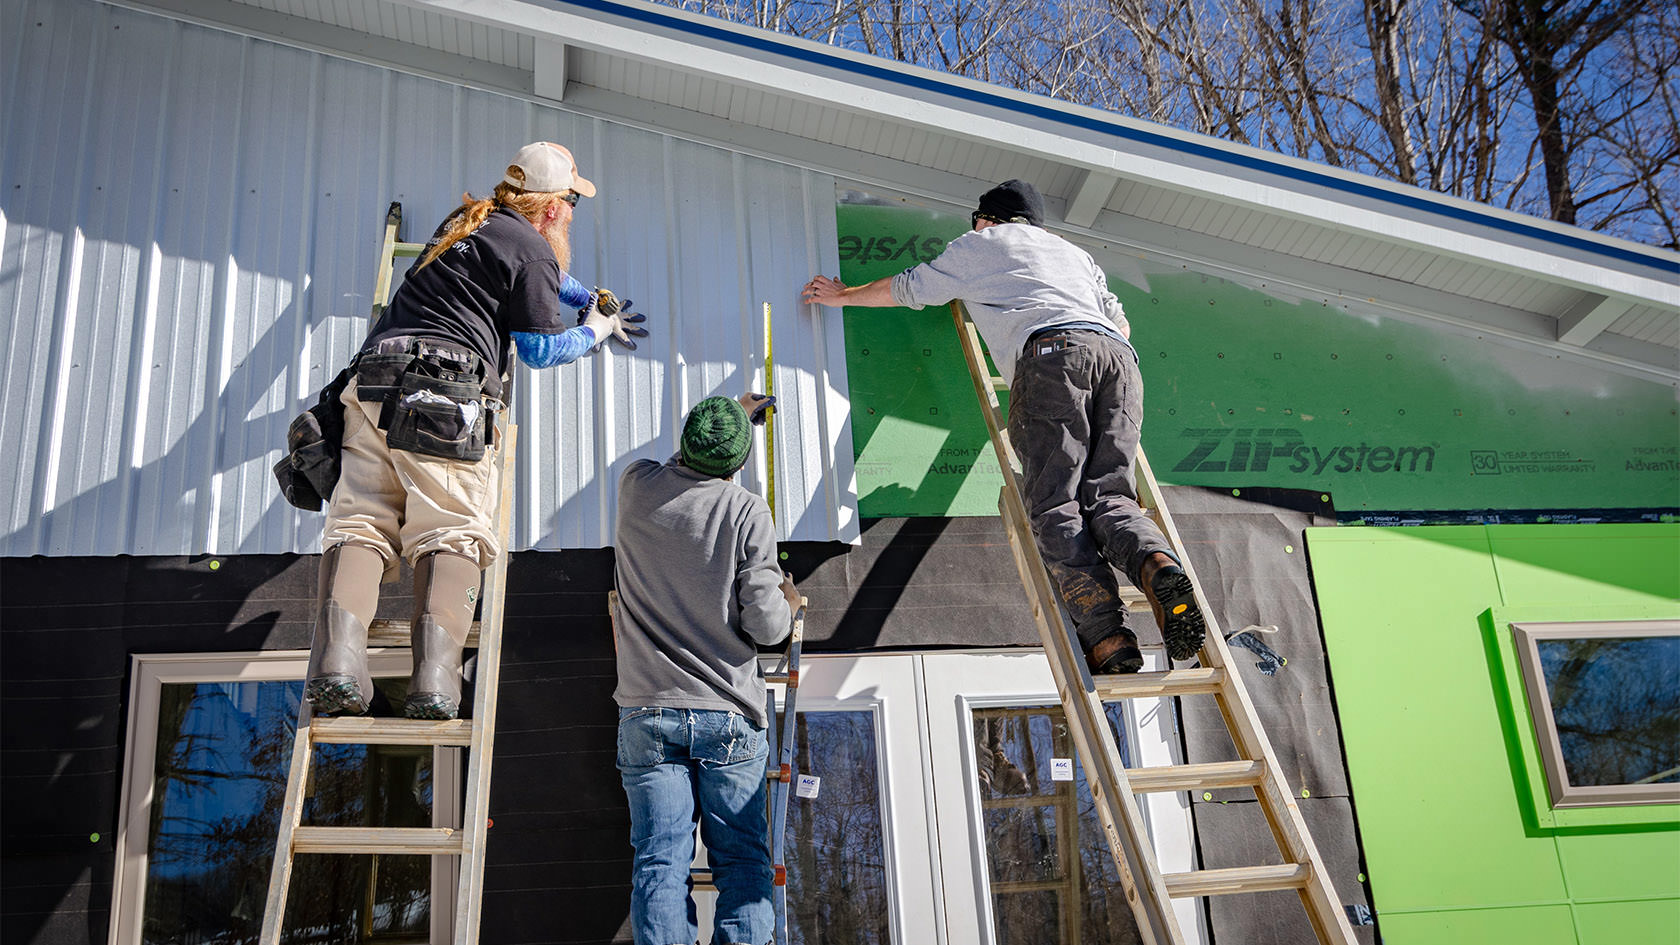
point(546, 167)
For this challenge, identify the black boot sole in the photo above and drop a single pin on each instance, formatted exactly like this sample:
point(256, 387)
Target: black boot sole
point(431, 706)
point(1184, 628)
point(335, 695)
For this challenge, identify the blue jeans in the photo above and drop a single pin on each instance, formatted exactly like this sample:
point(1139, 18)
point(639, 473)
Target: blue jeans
point(683, 767)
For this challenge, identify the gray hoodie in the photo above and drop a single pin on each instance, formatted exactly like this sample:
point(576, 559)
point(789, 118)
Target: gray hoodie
point(1015, 278)
point(698, 586)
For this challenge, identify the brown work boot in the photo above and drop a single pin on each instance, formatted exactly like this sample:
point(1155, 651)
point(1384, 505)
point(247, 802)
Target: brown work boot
point(1115, 653)
point(1173, 598)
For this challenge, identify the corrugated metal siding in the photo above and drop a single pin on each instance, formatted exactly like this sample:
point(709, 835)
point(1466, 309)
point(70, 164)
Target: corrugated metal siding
point(191, 220)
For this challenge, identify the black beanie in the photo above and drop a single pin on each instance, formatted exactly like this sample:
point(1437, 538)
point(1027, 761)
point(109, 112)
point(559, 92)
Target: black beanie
point(1011, 199)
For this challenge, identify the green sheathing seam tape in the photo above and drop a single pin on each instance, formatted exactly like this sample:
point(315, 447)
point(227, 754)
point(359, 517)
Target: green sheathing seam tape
point(1437, 735)
point(1246, 385)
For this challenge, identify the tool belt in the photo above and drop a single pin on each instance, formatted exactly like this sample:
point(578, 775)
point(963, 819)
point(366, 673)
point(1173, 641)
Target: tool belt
point(436, 398)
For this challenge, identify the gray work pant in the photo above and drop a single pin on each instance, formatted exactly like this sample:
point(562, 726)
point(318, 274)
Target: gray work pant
point(1075, 411)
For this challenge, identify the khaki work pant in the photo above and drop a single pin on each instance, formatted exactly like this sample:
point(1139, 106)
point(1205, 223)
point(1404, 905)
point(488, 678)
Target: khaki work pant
point(407, 504)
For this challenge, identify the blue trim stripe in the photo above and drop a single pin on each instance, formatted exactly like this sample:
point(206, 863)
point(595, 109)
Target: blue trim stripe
point(759, 41)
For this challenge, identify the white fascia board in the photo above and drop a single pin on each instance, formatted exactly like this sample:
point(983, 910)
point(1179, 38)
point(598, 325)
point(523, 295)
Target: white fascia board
point(1177, 160)
point(1045, 128)
point(1246, 264)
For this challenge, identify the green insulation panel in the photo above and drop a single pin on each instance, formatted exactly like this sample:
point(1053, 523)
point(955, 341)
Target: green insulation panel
point(1246, 385)
point(1460, 843)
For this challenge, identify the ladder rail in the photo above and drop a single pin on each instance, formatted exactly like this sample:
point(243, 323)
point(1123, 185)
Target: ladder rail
point(1082, 699)
point(486, 684)
point(476, 735)
point(1117, 809)
point(1283, 813)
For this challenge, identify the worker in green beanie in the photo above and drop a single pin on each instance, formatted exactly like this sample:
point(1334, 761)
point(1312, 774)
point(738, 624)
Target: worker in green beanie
point(699, 590)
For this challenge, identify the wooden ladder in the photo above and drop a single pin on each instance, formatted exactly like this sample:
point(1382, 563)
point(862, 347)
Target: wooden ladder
point(1114, 789)
point(476, 734)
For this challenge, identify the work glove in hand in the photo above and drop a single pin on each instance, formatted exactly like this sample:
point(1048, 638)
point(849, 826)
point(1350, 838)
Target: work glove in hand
point(758, 407)
point(607, 316)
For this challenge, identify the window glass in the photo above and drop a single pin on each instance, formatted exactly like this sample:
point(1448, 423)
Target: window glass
point(1616, 707)
point(223, 755)
point(1052, 877)
point(836, 849)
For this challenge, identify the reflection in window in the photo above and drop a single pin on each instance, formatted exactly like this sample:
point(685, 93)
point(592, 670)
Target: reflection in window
point(835, 847)
point(1053, 879)
point(220, 779)
point(1616, 705)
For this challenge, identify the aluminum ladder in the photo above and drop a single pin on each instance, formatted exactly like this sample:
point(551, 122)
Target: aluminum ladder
point(476, 734)
point(1114, 789)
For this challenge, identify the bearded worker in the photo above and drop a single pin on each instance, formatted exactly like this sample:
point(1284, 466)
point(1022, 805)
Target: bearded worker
point(419, 468)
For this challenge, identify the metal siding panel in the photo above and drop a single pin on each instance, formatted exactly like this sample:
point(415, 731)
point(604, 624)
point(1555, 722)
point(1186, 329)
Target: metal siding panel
point(214, 296)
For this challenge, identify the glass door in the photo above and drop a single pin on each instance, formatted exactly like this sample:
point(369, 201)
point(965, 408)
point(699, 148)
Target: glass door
point(1024, 858)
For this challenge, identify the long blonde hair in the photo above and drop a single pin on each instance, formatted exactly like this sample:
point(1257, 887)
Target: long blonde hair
point(472, 213)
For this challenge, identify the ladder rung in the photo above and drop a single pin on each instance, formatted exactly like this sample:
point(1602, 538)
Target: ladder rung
point(407, 249)
point(1173, 682)
point(998, 383)
point(419, 841)
point(1196, 777)
point(702, 879)
point(787, 679)
point(387, 632)
point(1242, 879)
point(365, 731)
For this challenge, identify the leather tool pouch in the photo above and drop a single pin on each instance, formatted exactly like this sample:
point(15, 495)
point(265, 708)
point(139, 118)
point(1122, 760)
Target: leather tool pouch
point(309, 471)
point(431, 396)
point(437, 416)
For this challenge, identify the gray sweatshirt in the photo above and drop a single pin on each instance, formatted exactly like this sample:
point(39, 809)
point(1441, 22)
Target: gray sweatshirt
point(1015, 279)
point(698, 585)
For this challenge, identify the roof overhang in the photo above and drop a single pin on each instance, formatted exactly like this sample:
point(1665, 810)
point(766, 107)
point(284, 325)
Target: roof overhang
point(1259, 217)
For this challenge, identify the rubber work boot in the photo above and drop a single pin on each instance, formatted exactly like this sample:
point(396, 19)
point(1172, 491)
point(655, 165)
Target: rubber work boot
point(445, 595)
point(339, 682)
point(1173, 598)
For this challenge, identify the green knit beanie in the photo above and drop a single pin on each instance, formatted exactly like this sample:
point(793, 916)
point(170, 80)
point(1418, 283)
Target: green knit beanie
point(716, 437)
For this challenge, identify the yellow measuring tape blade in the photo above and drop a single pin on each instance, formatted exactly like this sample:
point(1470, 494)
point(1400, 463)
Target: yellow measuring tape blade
point(770, 420)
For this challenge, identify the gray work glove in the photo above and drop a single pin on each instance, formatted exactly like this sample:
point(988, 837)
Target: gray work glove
point(758, 406)
point(607, 317)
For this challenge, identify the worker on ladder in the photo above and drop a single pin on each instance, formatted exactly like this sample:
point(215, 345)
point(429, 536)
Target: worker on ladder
point(418, 473)
point(698, 588)
point(1059, 336)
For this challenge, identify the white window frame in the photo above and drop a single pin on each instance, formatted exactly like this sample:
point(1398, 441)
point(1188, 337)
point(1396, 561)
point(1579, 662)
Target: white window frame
point(1527, 634)
point(149, 673)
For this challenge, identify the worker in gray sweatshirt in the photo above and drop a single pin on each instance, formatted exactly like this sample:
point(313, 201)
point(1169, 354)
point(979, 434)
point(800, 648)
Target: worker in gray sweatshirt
point(699, 589)
point(1059, 336)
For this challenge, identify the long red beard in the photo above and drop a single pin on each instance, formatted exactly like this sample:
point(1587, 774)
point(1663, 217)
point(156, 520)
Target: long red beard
point(559, 237)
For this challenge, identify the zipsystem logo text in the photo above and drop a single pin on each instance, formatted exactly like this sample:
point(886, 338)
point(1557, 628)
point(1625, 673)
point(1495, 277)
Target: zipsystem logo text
point(1283, 449)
